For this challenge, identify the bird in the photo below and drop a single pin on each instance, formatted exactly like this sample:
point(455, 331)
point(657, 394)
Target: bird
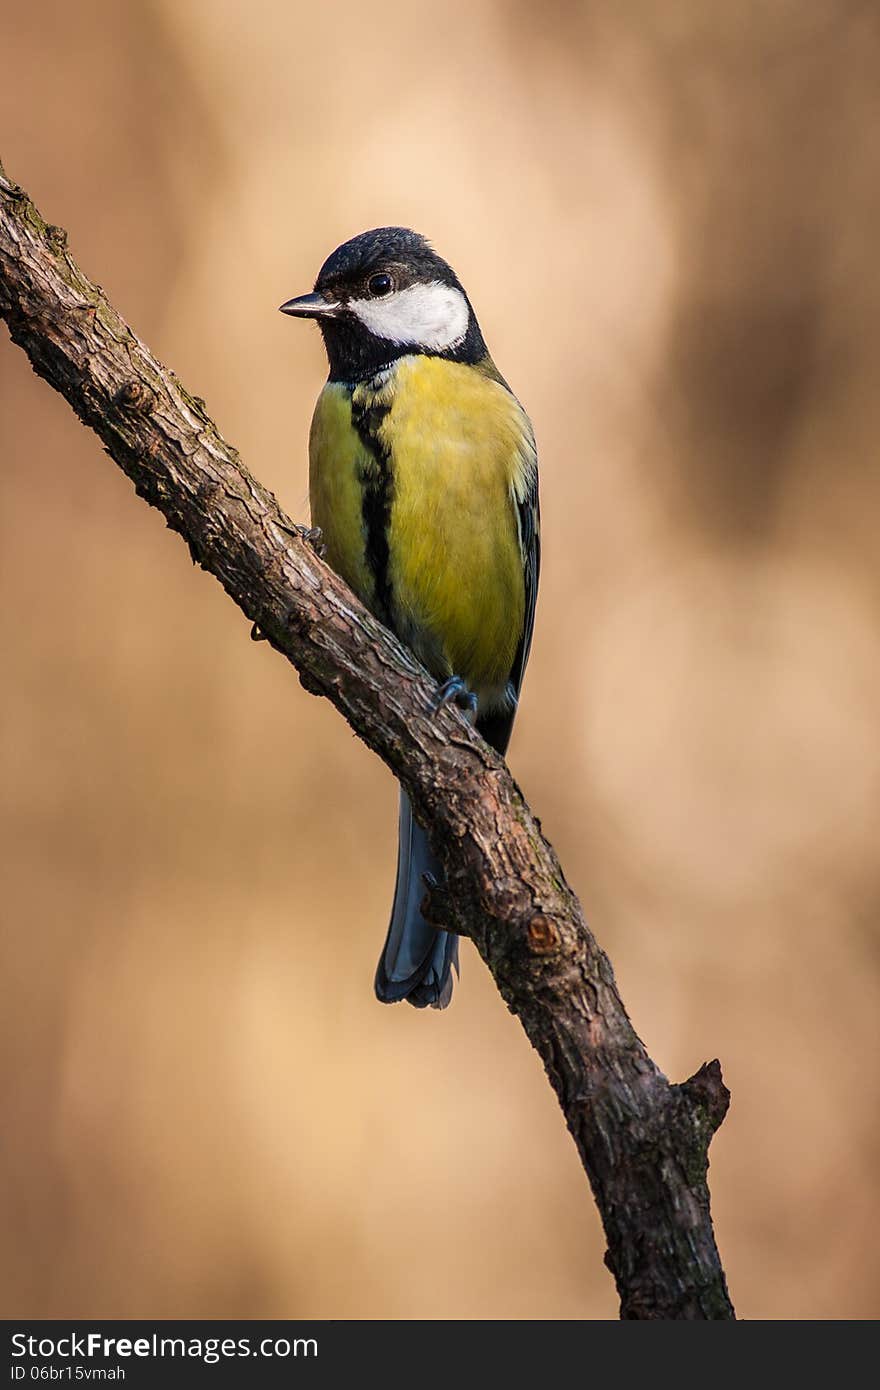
point(423, 484)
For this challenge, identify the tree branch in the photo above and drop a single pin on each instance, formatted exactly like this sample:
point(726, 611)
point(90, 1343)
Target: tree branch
point(643, 1142)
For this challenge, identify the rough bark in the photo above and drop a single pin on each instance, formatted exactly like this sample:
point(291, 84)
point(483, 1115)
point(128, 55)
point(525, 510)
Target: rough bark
point(643, 1142)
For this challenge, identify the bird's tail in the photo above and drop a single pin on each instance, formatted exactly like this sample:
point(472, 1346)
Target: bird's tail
point(416, 961)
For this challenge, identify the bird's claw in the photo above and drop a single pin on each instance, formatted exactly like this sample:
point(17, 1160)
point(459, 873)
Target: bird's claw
point(313, 536)
point(455, 690)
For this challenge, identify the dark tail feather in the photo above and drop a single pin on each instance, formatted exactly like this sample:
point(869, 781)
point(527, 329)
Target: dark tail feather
point(416, 961)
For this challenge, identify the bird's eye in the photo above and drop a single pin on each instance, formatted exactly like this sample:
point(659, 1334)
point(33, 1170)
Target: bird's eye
point(380, 285)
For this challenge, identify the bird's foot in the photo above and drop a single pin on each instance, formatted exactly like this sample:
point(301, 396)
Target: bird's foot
point(455, 690)
point(313, 536)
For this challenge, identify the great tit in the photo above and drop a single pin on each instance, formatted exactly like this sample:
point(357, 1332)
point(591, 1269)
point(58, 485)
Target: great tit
point(423, 480)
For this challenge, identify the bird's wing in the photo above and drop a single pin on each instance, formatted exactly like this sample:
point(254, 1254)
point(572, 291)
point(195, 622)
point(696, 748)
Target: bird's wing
point(496, 727)
point(529, 514)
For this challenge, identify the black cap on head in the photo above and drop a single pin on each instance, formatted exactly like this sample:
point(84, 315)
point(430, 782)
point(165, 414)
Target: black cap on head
point(412, 255)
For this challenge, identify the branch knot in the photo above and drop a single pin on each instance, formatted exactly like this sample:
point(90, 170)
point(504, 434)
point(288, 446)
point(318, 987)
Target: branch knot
point(136, 396)
point(543, 935)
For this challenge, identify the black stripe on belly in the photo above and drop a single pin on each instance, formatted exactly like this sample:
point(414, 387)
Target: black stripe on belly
point(377, 485)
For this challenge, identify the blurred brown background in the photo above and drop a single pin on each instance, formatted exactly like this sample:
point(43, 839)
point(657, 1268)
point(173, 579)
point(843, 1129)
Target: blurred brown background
point(667, 217)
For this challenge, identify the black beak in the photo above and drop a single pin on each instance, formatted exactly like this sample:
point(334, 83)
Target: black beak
point(310, 306)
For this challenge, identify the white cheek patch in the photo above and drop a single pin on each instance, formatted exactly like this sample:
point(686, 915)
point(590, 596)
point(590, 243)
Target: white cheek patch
point(431, 316)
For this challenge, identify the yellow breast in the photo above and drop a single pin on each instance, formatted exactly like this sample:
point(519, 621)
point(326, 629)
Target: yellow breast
point(456, 451)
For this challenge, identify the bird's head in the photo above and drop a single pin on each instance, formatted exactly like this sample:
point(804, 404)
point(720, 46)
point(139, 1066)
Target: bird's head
point(384, 294)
